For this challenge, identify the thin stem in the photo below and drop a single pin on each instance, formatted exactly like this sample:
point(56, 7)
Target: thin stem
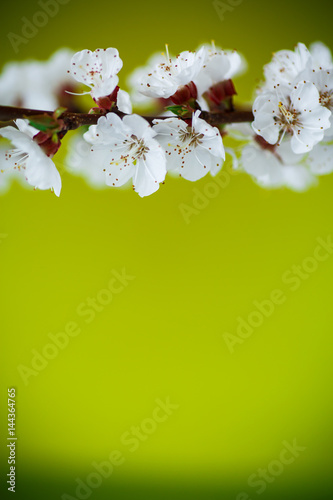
point(75, 120)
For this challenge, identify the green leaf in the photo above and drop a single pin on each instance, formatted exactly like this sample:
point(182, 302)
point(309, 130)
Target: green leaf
point(58, 112)
point(44, 123)
point(178, 110)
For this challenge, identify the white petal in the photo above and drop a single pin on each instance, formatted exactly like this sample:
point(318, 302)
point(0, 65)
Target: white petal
point(321, 55)
point(138, 125)
point(97, 69)
point(144, 181)
point(41, 173)
point(212, 140)
point(124, 102)
point(109, 129)
point(305, 96)
point(267, 128)
point(118, 175)
point(195, 164)
point(303, 140)
point(320, 159)
point(258, 162)
point(298, 177)
point(18, 139)
point(216, 165)
point(287, 155)
point(80, 162)
point(238, 64)
point(104, 88)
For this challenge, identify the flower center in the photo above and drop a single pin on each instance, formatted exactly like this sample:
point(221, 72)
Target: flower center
point(190, 138)
point(167, 66)
point(287, 114)
point(136, 148)
point(20, 156)
point(288, 119)
point(325, 99)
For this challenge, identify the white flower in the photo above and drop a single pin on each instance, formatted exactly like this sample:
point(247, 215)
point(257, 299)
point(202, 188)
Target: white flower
point(124, 103)
point(298, 113)
point(129, 152)
point(98, 70)
point(192, 151)
point(79, 162)
point(219, 65)
point(11, 85)
point(135, 78)
point(215, 69)
point(58, 76)
point(277, 167)
point(320, 159)
point(36, 84)
point(164, 79)
point(321, 56)
point(38, 168)
point(323, 81)
point(9, 175)
point(286, 65)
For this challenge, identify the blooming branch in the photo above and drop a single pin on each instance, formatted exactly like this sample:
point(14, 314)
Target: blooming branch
point(75, 120)
point(188, 115)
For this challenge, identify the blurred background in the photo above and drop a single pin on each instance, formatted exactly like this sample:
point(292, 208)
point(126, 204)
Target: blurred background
point(139, 392)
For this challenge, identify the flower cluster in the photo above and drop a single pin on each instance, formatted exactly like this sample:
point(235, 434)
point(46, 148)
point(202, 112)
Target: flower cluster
point(189, 101)
point(38, 84)
point(293, 119)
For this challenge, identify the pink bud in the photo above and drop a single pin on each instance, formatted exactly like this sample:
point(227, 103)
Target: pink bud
point(185, 93)
point(108, 101)
point(49, 143)
point(221, 91)
point(264, 144)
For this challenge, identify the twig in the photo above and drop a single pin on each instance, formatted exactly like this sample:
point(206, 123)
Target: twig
point(75, 120)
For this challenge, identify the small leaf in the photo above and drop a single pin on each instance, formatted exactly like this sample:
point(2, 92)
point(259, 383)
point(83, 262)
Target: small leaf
point(178, 110)
point(43, 122)
point(58, 112)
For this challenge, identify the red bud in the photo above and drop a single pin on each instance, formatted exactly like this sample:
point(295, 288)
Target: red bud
point(109, 101)
point(221, 91)
point(185, 93)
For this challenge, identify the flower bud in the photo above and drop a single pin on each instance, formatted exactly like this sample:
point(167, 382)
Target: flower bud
point(49, 143)
point(185, 93)
point(220, 92)
point(108, 101)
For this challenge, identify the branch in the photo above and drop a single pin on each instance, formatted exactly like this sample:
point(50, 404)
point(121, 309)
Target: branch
point(75, 120)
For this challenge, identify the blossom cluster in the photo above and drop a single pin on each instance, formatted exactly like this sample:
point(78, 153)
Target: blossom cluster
point(293, 120)
point(288, 143)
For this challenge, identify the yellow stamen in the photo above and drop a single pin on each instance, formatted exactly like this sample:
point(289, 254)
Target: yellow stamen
point(167, 51)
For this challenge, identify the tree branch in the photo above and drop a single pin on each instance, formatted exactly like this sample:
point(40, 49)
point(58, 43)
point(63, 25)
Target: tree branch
point(75, 120)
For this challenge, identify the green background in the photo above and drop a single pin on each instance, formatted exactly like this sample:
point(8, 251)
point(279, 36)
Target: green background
point(162, 336)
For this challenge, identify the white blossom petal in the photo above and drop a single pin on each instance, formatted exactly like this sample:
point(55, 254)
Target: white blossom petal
point(192, 151)
point(126, 149)
point(321, 56)
point(320, 159)
point(98, 70)
point(124, 102)
point(39, 169)
point(164, 79)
